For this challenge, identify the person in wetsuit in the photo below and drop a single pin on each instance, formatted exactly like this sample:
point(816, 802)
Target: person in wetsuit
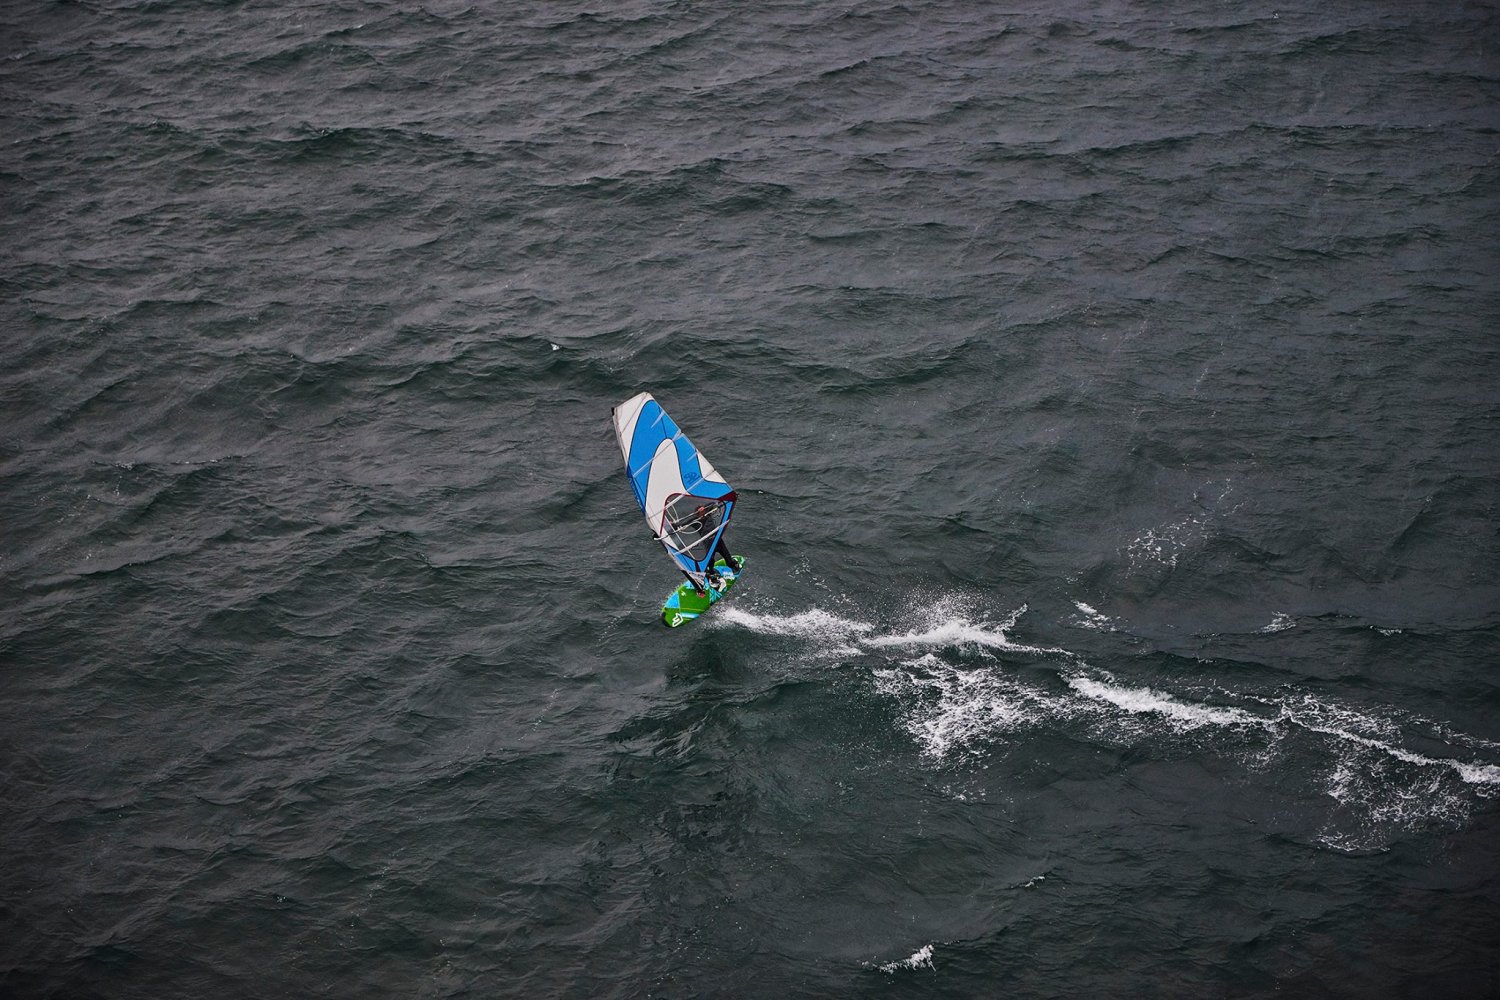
point(698, 522)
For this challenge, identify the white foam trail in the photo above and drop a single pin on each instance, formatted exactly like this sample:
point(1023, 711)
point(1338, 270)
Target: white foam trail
point(1473, 774)
point(1380, 803)
point(921, 957)
point(1381, 735)
point(1144, 700)
point(949, 707)
point(958, 631)
point(814, 624)
point(959, 715)
point(955, 709)
point(823, 626)
point(1473, 742)
point(1310, 715)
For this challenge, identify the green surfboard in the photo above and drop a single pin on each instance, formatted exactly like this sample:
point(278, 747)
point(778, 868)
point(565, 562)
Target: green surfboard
point(684, 604)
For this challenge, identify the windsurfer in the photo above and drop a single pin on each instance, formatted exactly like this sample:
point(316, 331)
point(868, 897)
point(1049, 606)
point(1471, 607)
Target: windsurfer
point(701, 515)
point(699, 523)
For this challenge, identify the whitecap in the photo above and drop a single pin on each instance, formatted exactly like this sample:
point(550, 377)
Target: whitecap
point(1280, 622)
point(921, 958)
point(1093, 618)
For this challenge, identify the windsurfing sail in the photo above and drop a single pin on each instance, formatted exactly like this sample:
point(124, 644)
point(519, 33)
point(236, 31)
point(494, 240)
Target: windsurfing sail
point(687, 504)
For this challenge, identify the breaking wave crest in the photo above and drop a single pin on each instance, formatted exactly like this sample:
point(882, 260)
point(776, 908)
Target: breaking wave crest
point(919, 959)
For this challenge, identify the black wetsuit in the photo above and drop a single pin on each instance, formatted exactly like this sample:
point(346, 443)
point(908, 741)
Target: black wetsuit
point(722, 549)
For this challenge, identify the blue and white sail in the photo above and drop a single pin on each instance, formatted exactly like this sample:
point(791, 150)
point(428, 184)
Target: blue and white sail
point(687, 504)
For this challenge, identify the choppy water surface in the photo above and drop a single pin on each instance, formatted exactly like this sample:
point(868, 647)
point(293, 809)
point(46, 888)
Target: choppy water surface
point(1111, 393)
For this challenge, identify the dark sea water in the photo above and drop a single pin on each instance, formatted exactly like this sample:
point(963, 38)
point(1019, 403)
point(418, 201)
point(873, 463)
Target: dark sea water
point(1111, 390)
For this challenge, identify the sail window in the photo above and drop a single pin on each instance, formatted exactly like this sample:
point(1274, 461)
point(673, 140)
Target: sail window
point(689, 524)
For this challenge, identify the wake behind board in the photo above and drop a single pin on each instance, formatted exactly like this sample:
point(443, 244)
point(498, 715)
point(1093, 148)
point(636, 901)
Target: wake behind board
point(685, 603)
